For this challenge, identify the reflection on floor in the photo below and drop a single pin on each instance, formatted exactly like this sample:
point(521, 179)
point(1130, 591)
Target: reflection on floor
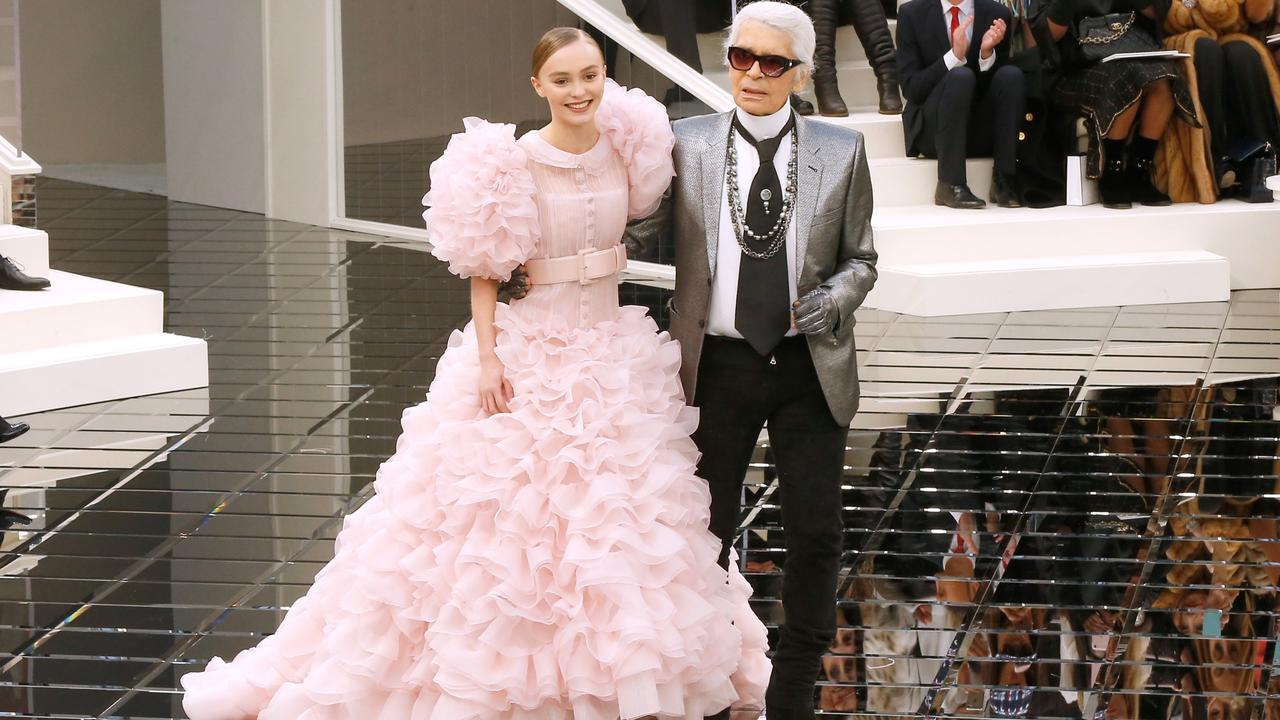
point(1051, 514)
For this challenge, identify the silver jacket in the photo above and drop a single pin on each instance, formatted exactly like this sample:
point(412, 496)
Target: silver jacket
point(833, 235)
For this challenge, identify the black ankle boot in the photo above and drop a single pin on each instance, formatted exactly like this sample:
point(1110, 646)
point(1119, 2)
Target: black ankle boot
point(1113, 186)
point(1141, 189)
point(826, 18)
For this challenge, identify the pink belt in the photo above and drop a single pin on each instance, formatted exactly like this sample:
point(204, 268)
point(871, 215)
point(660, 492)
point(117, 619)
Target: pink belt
point(585, 267)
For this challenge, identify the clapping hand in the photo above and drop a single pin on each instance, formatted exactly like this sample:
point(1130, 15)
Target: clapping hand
point(992, 37)
point(960, 39)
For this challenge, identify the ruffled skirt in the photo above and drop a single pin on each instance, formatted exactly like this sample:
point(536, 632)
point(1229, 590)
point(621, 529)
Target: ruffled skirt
point(551, 563)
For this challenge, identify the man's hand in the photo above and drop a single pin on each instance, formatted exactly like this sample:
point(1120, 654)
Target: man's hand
point(816, 313)
point(515, 288)
point(960, 40)
point(992, 37)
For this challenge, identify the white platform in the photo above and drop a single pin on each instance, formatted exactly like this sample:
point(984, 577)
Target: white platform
point(78, 309)
point(98, 371)
point(29, 248)
point(946, 288)
point(85, 340)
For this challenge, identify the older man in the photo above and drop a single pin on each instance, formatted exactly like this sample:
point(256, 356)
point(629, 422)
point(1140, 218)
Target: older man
point(771, 216)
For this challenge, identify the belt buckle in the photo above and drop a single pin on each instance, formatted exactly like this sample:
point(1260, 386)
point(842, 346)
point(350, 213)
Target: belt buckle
point(582, 267)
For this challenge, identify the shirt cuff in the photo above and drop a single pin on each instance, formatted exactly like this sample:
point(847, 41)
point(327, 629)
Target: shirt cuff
point(985, 64)
point(952, 62)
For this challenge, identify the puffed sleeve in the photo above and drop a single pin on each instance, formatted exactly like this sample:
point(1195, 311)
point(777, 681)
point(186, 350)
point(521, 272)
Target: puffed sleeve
point(637, 127)
point(481, 211)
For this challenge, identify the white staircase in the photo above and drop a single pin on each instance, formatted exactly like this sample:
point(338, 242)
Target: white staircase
point(938, 261)
point(84, 340)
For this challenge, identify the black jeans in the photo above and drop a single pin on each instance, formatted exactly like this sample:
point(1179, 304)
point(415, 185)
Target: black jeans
point(739, 392)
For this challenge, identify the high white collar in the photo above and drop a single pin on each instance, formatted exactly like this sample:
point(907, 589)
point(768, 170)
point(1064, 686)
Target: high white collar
point(966, 9)
point(763, 127)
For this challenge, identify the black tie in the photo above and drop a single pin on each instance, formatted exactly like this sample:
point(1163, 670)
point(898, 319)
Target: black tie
point(764, 297)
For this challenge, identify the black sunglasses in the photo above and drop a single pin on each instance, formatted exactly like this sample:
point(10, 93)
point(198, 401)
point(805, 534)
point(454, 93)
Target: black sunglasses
point(773, 66)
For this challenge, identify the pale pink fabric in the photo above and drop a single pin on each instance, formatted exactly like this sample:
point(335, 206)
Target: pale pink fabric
point(552, 563)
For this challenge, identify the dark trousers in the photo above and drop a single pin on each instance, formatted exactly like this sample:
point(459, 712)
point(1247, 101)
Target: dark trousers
point(679, 21)
point(739, 392)
point(1235, 94)
point(961, 122)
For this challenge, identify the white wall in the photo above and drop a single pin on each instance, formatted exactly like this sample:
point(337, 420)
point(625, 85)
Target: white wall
point(215, 126)
point(92, 90)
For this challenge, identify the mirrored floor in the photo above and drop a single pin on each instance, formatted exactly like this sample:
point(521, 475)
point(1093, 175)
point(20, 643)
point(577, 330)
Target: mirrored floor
point(1067, 514)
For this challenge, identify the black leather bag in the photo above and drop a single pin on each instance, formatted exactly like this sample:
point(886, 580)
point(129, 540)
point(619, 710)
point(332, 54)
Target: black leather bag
point(1104, 36)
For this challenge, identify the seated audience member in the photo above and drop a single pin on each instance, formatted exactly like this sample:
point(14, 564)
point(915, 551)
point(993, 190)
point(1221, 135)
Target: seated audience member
point(9, 431)
point(12, 277)
point(1239, 92)
point(963, 97)
point(1119, 100)
point(869, 22)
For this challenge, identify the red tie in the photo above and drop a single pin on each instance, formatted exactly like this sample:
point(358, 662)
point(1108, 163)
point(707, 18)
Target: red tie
point(955, 19)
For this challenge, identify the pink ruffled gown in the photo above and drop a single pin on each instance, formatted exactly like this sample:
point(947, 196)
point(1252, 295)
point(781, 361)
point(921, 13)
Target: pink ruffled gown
point(551, 563)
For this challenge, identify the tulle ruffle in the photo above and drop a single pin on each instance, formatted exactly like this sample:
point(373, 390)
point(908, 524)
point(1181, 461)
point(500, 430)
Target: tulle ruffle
point(551, 563)
point(481, 213)
point(637, 127)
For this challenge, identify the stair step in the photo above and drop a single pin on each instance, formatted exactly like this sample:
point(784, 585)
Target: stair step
point(27, 247)
point(1044, 283)
point(77, 309)
point(901, 181)
point(91, 372)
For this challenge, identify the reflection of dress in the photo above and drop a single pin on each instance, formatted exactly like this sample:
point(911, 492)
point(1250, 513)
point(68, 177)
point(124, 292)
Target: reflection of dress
point(552, 563)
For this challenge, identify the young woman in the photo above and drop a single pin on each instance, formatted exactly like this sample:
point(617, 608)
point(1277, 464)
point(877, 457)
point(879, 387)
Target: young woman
point(537, 548)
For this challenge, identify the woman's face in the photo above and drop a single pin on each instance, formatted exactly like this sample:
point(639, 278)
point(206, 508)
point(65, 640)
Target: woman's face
point(572, 81)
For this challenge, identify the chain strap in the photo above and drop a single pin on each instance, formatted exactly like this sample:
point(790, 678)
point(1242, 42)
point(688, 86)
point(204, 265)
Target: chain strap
point(776, 237)
point(1119, 31)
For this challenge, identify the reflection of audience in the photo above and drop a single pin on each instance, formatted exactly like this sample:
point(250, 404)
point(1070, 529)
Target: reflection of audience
point(963, 97)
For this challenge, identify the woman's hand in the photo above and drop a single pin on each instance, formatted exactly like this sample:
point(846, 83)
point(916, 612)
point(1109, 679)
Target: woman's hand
point(495, 391)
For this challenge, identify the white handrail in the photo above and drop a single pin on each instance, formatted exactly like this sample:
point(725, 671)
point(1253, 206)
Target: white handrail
point(15, 162)
point(626, 34)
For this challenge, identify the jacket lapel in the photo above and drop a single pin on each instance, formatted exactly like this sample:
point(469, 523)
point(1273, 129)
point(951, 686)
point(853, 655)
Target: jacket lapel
point(937, 28)
point(808, 184)
point(711, 184)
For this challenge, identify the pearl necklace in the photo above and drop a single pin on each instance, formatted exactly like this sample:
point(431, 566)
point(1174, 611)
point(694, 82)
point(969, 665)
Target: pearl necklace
point(776, 237)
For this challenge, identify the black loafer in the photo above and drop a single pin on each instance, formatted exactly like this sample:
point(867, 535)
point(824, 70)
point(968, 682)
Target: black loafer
point(1004, 191)
point(959, 197)
point(9, 431)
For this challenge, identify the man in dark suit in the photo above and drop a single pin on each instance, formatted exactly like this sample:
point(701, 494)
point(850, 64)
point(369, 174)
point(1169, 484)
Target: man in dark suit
point(963, 97)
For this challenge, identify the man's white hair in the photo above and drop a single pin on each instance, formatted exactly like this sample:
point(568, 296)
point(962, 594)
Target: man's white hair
point(784, 18)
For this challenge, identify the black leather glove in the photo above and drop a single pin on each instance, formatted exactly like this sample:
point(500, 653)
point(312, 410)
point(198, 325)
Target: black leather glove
point(816, 312)
point(515, 288)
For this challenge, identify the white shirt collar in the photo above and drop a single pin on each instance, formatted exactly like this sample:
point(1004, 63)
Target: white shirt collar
point(966, 9)
point(763, 127)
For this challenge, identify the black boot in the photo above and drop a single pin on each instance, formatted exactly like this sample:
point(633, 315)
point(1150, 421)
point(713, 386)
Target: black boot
point(1142, 152)
point(801, 106)
point(868, 20)
point(12, 277)
point(1113, 186)
point(826, 18)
